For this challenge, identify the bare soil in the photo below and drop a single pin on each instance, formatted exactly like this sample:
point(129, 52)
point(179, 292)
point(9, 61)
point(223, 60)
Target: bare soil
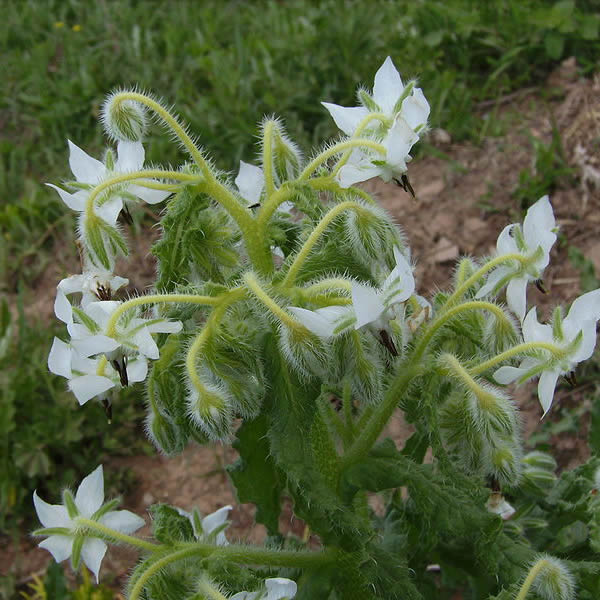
point(461, 206)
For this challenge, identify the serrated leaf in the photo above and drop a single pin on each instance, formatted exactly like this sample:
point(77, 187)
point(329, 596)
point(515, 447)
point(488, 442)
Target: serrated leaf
point(168, 526)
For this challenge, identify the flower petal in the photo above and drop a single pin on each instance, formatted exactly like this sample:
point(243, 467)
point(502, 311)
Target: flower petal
point(538, 225)
point(94, 344)
point(165, 326)
point(280, 587)
point(250, 182)
point(88, 386)
point(350, 174)
point(123, 521)
point(400, 283)
point(388, 86)
point(76, 201)
point(59, 359)
point(506, 243)
point(85, 168)
point(109, 210)
point(320, 322)
point(214, 520)
point(346, 118)
point(368, 307)
point(516, 296)
point(506, 375)
point(137, 370)
point(72, 284)
point(585, 308)
point(130, 156)
point(494, 278)
point(60, 546)
point(92, 552)
point(148, 195)
point(415, 109)
point(546, 387)
point(146, 345)
point(534, 331)
point(51, 515)
point(90, 493)
point(62, 307)
point(398, 142)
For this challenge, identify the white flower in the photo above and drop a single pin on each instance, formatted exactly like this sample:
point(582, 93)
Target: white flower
point(324, 322)
point(93, 284)
point(533, 241)
point(210, 528)
point(250, 182)
point(82, 372)
point(277, 588)
point(363, 165)
point(575, 335)
point(376, 307)
point(89, 172)
point(88, 501)
point(132, 334)
point(388, 90)
point(498, 505)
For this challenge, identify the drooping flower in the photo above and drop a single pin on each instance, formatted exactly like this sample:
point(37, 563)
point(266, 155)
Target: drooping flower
point(324, 322)
point(363, 164)
point(390, 97)
point(210, 528)
point(88, 504)
point(83, 372)
point(93, 284)
point(533, 242)
point(574, 337)
point(277, 588)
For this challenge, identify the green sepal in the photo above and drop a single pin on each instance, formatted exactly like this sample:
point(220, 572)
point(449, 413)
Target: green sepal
point(78, 541)
point(106, 508)
point(52, 531)
point(95, 243)
point(408, 88)
point(86, 320)
point(114, 238)
point(367, 100)
point(69, 502)
point(109, 159)
point(286, 158)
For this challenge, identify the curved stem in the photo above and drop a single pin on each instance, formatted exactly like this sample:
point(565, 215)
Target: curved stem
point(172, 123)
point(157, 299)
point(267, 158)
point(372, 116)
point(126, 177)
point(208, 591)
point(239, 554)
point(462, 289)
point(515, 351)
point(314, 237)
point(484, 397)
point(331, 283)
point(91, 525)
point(443, 318)
point(271, 204)
point(380, 416)
point(533, 573)
point(204, 335)
point(336, 149)
point(287, 319)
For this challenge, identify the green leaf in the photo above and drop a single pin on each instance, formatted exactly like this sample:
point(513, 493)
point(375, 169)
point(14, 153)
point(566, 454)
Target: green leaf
point(554, 43)
point(168, 526)
point(255, 475)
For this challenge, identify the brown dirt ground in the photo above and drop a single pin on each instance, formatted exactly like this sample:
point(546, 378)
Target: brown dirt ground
point(461, 207)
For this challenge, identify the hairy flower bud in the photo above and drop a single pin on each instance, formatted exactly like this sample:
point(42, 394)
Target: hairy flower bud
point(124, 120)
point(554, 580)
point(209, 409)
point(163, 432)
point(370, 231)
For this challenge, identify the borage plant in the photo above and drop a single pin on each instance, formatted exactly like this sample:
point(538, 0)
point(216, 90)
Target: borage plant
point(285, 321)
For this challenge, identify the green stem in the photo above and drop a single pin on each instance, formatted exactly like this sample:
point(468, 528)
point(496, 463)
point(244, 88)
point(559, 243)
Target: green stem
point(336, 149)
point(380, 416)
point(462, 289)
point(126, 177)
point(239, 554)
point(204, 335)
point(313, 238)
point(372, 116)
point(444, 317)
point(515, 351)
point(208, 591)
point(91, 525)
point(284, 193)
point(287, 319)
point(172, 123)
point(267, 143)
point(533, 573)
point(157, 299)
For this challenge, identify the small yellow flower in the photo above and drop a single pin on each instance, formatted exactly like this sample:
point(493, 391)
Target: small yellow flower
point(76, 28)
point(59, 24)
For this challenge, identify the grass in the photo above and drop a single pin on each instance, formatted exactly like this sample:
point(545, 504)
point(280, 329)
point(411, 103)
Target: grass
point(223, 65)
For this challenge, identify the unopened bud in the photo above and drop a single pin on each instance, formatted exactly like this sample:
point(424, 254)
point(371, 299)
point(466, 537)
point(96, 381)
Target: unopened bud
point(370, 231)
point(124, 120)
point(210, 410)
point(304, 351)
point(164, 433)
point(554, 580)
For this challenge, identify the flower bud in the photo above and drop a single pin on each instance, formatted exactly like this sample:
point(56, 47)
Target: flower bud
point(124, 120)
point(370, 231)
point(209, 409)
point(287, 157)
point(304, 351)
point(164, 433)
point(554, 580)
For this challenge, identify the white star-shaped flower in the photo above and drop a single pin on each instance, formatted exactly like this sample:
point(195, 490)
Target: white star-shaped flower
point(533, 241)
point(388, 90)
point(575, 335)
point(93, 284)
point(210, 528)
point(82, 372)
point(88, 501)
point(277, 588)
